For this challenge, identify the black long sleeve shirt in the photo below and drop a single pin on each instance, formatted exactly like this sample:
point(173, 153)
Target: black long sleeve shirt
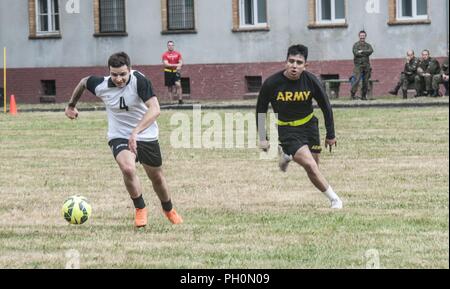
point(292, 99)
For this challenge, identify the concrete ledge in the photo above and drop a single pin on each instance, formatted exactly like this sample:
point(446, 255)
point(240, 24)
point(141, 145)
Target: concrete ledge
point(375, 103)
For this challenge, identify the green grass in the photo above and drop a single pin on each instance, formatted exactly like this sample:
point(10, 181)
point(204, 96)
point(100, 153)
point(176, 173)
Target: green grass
point(391, 168)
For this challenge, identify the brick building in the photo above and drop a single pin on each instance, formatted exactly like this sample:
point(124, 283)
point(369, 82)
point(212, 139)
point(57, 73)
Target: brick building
point(229, 46)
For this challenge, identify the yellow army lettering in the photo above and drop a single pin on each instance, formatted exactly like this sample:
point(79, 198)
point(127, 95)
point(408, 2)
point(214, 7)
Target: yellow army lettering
point(293, 96)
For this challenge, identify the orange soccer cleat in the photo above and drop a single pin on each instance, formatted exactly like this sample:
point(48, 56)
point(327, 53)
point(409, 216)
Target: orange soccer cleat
point(140, 219)
point(173, 217)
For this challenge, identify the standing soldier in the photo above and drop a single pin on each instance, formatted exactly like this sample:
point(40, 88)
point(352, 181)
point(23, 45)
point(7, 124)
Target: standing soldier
point(441, 78)
point(408, 74)
point(427, 68)
point(361, 51)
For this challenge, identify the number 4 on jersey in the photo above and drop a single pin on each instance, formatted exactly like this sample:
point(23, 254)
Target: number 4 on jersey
point(123, 105)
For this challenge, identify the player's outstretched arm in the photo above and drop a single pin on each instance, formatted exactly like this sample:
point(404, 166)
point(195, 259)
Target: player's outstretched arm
point(71, 111)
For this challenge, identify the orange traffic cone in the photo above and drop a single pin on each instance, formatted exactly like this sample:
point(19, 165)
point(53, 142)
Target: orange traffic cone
point(12, 105)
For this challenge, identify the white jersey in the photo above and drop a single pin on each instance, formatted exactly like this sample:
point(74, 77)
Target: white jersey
point(125, 106)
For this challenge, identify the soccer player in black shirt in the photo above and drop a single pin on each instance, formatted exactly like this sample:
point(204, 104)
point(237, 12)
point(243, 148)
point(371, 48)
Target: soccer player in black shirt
point(290, 92)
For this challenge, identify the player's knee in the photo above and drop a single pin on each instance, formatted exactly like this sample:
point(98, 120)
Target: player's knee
point(156, 178)
point(128, 170)
point(310, 167)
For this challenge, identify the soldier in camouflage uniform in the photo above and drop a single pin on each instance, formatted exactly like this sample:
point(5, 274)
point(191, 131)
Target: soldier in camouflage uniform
point(427, 68)
point(408, 75)
point(441, 78)
point(361, 51)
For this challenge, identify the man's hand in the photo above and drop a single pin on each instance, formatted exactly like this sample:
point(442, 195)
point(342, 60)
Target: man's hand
point(71, 112)
point(445, 77)
point(264, 145)
point(330, 143)
point(132, 143)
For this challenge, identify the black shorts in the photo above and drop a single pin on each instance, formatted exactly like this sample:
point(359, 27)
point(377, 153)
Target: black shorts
point(148, 152)
point(171, 77)
point(292, 138)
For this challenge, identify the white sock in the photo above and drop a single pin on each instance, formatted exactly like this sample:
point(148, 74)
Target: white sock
point(331, 195)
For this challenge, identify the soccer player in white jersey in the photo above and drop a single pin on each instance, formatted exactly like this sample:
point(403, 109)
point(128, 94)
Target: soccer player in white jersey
point(132, 110)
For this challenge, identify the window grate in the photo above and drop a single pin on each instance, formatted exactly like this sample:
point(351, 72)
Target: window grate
point(112, 16)
point(180, 14)
point(186, 85)
point(48, 87)
point(254, 83)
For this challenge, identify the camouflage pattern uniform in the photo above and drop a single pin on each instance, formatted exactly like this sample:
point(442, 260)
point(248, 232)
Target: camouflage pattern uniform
point(407, 77)
point(438, 79)
point(362, 70)
point(425, 71)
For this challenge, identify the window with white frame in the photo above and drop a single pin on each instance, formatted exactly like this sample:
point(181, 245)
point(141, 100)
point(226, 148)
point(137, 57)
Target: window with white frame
point(47, 16)
point(253, 13)
point(412, 9)
point(330, 11)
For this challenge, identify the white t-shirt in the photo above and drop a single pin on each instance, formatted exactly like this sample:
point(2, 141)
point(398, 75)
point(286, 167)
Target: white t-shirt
point(125, 106)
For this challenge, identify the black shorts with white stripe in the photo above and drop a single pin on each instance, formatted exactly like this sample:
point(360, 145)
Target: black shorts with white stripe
point(148, 152)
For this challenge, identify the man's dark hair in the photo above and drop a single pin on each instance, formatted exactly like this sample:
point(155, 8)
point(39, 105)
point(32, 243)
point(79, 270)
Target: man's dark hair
point(362, 31)
point(170, 41)
point(298, 49)
point(119, 59)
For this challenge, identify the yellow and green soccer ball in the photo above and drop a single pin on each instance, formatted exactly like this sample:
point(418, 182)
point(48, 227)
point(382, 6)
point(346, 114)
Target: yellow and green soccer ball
point(76, 210)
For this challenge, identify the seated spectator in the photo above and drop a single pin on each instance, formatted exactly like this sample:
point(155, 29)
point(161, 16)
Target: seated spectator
point(441, 78)
point(408, 75)
point(427, 68)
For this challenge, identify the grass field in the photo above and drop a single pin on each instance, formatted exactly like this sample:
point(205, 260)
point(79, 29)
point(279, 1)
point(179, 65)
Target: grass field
point(391, 168)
